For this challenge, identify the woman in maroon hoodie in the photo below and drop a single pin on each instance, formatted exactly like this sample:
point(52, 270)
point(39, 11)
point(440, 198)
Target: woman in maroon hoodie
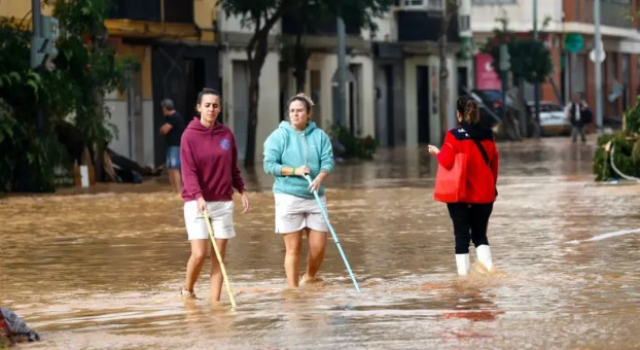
point(210, 172)
point(471, 214)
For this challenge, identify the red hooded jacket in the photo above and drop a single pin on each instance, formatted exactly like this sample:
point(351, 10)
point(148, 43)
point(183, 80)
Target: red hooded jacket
point(481, 178)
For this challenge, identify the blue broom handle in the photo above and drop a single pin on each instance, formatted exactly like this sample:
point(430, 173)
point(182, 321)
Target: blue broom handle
point(334, 235)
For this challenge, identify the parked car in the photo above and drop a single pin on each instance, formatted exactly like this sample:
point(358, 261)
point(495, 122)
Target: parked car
point(490, 105)
point(553, 119)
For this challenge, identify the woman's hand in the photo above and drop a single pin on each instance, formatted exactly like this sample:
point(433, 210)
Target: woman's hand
point(433, 150)
point(302, 170)
point(317, 182)
point(202, 205)
point(245, 202)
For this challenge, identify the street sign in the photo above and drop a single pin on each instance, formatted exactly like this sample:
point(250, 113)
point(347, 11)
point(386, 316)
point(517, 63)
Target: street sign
point(573, 42)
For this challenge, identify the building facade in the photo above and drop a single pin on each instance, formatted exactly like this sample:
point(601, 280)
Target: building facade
point(573, 71)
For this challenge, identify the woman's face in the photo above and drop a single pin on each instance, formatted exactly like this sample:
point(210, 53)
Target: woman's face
point(459, 116)
point(298, 115)
point(209, 108)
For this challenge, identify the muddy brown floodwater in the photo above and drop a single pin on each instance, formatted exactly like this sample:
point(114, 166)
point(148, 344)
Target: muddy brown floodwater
point(102, 269)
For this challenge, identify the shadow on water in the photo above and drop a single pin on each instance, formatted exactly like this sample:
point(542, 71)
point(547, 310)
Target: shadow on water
point(102, 269)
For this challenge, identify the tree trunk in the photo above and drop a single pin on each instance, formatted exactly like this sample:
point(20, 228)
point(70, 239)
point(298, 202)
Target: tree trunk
point(252, 126)
point(256, 55)
point(301, 57)
point(523, 112)
point(256, 61)
point(100, 147)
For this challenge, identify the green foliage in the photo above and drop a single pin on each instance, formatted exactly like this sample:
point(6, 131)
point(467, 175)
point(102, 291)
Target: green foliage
point(530, 59)
point(354, 146)
point(627, 149)
point(85, 69)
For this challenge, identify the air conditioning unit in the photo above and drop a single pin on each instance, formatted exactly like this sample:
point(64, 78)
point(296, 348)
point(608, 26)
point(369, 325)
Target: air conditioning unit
point(429, 5)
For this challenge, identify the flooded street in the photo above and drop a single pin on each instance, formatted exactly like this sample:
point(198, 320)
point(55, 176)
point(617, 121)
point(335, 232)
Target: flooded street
point(103, 270)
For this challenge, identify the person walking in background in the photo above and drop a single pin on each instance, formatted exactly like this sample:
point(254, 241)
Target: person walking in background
point(297, 148)
point(579, 114)
point(172, 130)
point(470, 214)
point(210, 171)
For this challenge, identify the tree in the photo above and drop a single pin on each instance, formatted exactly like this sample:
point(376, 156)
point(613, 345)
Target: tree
point(530, 60)
point(83, 73)
point(263, 15)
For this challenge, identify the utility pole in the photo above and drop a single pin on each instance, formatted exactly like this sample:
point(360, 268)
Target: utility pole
point(598, 64)
point(444, 72)
point(340, 116)
point(537, 85)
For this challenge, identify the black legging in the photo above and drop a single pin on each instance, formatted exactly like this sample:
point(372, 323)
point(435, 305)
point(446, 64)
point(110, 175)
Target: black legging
point(469, 223)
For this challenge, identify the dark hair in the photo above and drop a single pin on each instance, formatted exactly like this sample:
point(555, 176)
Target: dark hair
point(306, 100)
point(468, 109)
point(168, 104)
point(208, 91)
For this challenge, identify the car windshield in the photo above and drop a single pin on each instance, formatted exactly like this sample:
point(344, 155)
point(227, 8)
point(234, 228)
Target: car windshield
point(550, 108)
point(546, 107)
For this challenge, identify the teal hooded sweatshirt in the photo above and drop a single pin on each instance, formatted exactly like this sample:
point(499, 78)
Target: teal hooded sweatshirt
point(288, 147)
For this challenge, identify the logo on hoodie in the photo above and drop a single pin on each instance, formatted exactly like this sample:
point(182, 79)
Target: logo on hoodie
point(226, 144)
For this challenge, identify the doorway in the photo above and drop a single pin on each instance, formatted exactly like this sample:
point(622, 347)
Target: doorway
point(240, 105)
point(423, 104)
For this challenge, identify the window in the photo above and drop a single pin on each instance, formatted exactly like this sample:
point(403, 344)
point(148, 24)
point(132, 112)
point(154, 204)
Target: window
point(494, 2)
point(423, 4)
point(464, 24)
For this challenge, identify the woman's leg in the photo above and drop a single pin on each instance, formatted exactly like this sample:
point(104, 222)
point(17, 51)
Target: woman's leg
point(216, 272)
point(293, 245)
point(196, 260)
point(479, 220)
point(459, 213)
point(317, 247)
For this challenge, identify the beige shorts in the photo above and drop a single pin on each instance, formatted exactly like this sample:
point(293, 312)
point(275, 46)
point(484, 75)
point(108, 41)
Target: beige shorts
point(294, 214)
point(220, 215)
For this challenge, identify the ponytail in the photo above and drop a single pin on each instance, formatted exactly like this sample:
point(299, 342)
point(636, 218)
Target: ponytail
point(471, 112)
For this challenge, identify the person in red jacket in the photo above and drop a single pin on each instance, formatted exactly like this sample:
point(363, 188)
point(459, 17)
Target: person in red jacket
point(210, 172)
point(470, 215)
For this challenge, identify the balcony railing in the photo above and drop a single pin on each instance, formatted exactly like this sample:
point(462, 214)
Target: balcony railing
point(293, 23)
point(424, 26)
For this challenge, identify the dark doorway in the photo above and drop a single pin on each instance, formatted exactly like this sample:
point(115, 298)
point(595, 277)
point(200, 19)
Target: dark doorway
point(194, 69)
point(423, 104)
point(388, 72)
point(179, 72)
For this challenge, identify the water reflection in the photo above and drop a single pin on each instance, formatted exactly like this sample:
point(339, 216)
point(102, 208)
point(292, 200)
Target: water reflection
point(103, 270)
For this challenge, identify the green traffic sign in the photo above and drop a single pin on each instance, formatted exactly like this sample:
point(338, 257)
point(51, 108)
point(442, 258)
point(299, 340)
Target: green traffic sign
point(573, 42)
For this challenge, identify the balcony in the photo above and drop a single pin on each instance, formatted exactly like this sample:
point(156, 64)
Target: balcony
point(292, 24)
point(616, 13)
point(416, 26)
point(166, 11)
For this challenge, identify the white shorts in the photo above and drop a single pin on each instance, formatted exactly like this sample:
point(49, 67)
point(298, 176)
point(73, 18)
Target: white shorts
point(294, 214)
point(220, 214)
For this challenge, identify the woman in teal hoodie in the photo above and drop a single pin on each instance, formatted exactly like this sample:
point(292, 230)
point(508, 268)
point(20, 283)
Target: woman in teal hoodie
point(297, 148)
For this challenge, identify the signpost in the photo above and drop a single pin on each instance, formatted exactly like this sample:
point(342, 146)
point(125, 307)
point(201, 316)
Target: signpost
point(505, 65)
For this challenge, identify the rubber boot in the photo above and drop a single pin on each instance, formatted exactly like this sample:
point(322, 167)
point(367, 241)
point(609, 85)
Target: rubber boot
point(483, 253)
point(463, 263)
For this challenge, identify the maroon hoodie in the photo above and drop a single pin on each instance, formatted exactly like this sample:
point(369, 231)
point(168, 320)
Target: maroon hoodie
point(209, 159)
